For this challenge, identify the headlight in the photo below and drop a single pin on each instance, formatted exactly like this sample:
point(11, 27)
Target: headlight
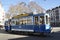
point(47, 27)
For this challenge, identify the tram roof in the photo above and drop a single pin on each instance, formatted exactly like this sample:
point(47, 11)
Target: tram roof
point(40, 14)
point(22, 15)
point(25, 15)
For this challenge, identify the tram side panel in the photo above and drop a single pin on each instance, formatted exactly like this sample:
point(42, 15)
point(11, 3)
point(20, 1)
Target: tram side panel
point(24, 26)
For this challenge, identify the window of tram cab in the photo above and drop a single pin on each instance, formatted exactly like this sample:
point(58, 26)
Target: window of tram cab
point(46, 19)
point(41, 20)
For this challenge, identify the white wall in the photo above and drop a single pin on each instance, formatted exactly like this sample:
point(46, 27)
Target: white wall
point(2, 15)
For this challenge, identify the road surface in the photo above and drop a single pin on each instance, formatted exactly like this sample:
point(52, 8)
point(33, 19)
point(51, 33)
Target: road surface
point(10, 36)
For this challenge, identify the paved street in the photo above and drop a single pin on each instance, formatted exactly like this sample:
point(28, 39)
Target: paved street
point(10, 36)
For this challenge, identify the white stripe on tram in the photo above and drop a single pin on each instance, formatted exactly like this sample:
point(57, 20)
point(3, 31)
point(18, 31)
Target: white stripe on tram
point(28, 30)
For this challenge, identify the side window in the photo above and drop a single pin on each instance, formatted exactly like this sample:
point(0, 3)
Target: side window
point(13, 23)
point(6, 23)
point(21, 22)
point(17, 22)
point(29, 21)
point(36, 19)
point(26, 21)
point(41, 19)
point(46, 19)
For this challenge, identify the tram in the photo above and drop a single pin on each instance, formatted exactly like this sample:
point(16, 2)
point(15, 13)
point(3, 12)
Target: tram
point(36, 23)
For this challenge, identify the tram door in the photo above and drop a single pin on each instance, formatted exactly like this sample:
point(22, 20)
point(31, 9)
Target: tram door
point(36, 26)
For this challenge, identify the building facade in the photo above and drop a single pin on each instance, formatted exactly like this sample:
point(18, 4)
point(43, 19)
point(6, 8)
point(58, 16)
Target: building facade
point(54, 16)
point(2, 15)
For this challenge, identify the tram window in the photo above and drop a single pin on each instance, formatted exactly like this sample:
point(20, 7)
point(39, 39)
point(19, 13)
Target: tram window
point(24, 21)
point(17, 23)
point(13, 23)
point(21, 22)
point(36, 19)
point(6, 23)
point(46, 19)
point(41, 19)
point(29, 21)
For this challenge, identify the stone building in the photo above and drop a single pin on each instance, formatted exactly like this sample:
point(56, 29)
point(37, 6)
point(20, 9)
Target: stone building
point(55, 16)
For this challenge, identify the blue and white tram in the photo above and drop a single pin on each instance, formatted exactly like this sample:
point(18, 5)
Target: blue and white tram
point(7, 25)
point(37, 23)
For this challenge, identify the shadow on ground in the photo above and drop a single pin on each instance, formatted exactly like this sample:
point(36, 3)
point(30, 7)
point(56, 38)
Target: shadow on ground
point(3, 31)
point(53, 36)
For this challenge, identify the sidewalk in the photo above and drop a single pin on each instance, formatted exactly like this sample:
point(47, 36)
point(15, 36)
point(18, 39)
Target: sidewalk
point(55, 29)
point(2, 28)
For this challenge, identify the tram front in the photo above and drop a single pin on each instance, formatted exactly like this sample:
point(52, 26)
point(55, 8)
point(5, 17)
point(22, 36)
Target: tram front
point(44, 22)
point(47, 23)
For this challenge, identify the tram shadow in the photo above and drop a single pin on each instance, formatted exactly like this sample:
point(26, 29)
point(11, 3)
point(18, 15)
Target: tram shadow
point(31, 34)
point(53, 36)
